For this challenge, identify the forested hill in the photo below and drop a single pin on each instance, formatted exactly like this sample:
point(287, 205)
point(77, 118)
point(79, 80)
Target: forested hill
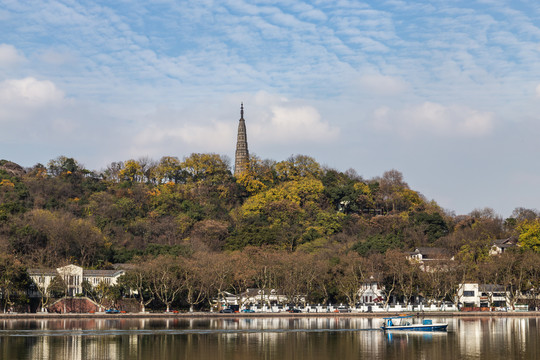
point(63, 213)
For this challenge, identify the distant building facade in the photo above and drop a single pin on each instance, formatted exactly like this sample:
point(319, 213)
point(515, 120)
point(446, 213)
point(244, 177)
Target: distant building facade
point(73, 277)
point(371, 292)
point(483, 295)
point(501, 245)
point(430, 259)
point(241, 160)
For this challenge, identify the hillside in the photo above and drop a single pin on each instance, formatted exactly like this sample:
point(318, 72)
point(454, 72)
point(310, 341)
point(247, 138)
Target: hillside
point(289, 214)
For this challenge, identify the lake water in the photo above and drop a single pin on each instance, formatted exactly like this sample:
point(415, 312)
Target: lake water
point(264, 338)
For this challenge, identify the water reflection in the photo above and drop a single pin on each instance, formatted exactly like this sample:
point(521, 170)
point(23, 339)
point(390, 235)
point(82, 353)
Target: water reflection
point(264, 338)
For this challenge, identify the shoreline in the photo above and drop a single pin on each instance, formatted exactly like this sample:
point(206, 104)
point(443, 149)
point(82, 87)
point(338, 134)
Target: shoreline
point(204, 315)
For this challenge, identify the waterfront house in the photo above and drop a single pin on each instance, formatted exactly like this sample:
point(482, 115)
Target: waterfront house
point(254, 296)
point(73, 277)
point(371, 292)
point(473, 295)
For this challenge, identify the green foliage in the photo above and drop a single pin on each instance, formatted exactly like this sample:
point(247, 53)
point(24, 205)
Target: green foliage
point(122, 255)
point(14, 195)
point(378, 244)
point(433, 225)
point(277, 223)
point(253, 230)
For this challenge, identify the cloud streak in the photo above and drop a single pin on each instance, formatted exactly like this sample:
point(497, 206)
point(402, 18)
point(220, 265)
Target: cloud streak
point(434, 119)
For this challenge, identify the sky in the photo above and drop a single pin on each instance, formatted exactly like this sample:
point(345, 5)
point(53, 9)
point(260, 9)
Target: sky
point(446, 92)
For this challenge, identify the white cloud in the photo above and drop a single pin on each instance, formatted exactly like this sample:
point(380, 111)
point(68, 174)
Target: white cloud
point(538, 91)
point(10, 56)
point(29, 92)
point(435, 119)
point(270, 119)
point(278, 120)
point(156, 140)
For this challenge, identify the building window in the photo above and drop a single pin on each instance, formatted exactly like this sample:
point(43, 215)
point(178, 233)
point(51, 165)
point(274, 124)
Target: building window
point(468, 293)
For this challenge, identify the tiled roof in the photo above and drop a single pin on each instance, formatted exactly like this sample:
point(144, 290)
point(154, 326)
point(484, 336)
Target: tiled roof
point(42, 272)
point(432, 252)
point(104, 273)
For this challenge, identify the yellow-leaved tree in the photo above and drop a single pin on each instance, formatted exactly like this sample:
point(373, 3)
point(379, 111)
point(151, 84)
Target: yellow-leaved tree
point(529, 234)
point(131, 172)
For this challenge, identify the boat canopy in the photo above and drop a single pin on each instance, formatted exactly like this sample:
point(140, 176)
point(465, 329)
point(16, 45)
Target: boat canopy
point(399, 317)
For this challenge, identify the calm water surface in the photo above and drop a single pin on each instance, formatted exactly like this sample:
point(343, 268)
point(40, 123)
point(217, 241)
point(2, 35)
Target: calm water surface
point(258, 338)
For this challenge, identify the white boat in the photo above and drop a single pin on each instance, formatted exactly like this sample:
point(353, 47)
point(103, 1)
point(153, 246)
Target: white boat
point(404, 323)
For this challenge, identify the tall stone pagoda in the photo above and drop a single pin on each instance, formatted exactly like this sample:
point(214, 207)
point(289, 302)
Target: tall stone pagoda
point(241, 161)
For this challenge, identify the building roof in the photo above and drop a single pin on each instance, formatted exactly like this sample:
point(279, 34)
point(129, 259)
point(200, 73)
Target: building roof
point(491, 288)
point(108, 273)
point(432, 252)
point(54, 272)
point(41, 272)
point(506, 243)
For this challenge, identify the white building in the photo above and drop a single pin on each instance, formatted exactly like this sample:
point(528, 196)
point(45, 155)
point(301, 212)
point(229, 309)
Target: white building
point(483, 295)
point(73, 277)
point(431, 259)
point(256, 296)
point(371, 292)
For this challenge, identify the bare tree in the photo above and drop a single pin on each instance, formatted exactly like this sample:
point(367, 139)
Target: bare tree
point(164, 274)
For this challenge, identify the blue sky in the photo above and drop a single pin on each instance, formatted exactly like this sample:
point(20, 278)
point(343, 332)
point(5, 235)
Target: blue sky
point(447, 92)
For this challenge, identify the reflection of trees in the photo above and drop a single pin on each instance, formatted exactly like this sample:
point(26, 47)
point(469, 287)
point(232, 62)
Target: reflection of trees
point(256, 338)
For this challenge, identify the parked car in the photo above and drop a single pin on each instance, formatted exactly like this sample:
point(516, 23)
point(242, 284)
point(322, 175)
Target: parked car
point(226, 311)
point(248, 311)
point(294, 310)
point(343, 309)
point(112, 311)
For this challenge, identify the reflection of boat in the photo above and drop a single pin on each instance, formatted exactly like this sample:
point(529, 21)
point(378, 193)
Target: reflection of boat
point(403, 323)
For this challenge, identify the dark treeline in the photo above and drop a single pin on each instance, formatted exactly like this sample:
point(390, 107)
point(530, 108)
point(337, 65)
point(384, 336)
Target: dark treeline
point(292, 225)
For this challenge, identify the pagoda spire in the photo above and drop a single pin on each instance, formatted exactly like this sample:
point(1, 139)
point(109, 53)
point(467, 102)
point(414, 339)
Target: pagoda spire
point(241, 161)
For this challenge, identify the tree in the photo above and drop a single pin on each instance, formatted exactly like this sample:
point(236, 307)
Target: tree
point(390, 185)
point(148, 169)
point(217, 274)
point(436, 284)
point(266, 270)
point(512, 273)
point(529, 234)
point(170, 169)
point(49, 236)
point(258, 176)
point(58, 287)
point(212, 233)
point(164, 274)
point(112, 173)
point(64, 166)
point(192, 273)
point(351, 273)
point(132, 171)
point(13, 278)
point(296, 276)
point(99, 293)
point(138, 280)
point(298, 167)
point(210, 168)
point(245, 268)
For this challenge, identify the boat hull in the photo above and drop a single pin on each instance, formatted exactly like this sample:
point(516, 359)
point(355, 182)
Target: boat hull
point(416, 327)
